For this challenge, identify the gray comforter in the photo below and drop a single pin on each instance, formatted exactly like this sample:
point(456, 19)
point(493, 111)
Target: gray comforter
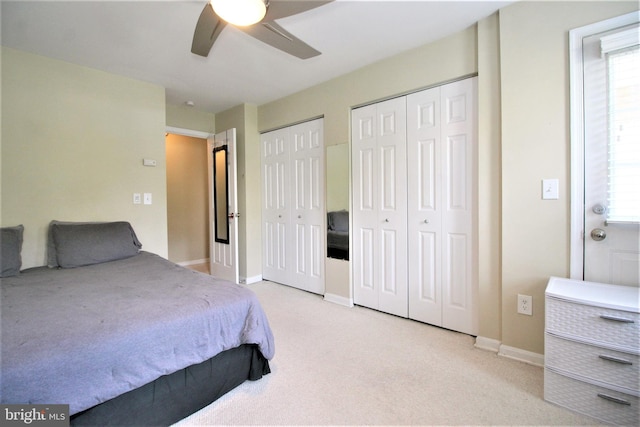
point(85, 335)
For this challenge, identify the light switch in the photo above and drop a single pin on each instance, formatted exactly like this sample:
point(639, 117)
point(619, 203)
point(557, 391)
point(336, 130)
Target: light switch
point(137, 199)
point(550, 189)
point(147, 198)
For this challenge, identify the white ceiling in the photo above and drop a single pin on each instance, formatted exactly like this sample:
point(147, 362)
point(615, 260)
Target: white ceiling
point(151, 41)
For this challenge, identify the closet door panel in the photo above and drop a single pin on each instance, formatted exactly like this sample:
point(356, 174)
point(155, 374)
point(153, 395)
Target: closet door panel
point(392, 212)
point(275, 216)
point(365, 169)
point(307, 213)
point(459, 132)
point(365, 222)
point(458, 191)
point(380, 206)
point(293, 206)
point(457, 293)
point(424, 154)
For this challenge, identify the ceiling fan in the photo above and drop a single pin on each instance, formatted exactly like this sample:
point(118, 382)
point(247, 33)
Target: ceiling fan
point(210, 25)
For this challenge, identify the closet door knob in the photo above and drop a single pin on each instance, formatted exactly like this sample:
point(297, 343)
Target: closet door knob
point(426, 221)
point(386, 220)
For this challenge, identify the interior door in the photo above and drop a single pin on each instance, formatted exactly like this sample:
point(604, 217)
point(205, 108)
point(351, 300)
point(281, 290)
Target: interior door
point(424, 166)
point(442, 153)
point(611, 247)
point(275, 206)
point(459, 248)
point(307, 206)
point(223, 206)
point(380, 206)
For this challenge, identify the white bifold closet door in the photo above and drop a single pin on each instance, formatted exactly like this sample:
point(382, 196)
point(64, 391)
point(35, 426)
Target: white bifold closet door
point(413, 164)
point(442, 152)
point(293, 212)
point(379, 191)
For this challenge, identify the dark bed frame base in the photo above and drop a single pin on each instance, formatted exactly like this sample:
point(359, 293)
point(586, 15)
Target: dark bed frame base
point(173, 397)
point(339, 253)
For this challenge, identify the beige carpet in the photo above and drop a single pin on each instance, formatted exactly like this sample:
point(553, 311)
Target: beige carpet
point(354, 366)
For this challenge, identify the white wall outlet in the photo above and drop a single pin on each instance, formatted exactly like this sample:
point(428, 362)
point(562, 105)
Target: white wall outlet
point(149, 162)
point(147, 198)
point(137, 198)
point(550, 189)
point(525, 304)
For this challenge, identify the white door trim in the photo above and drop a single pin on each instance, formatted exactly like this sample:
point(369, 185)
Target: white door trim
point(576, 93)
point(189, 132)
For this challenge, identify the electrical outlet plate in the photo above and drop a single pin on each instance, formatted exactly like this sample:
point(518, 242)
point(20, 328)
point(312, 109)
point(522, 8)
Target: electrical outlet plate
point(525, 304)
point(137, 199)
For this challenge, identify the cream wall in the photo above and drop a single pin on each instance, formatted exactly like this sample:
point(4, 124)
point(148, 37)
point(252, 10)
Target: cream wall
point(190, 118)
point(535, 145)
point(337, 189)
point(187, 198)
point(73, 141)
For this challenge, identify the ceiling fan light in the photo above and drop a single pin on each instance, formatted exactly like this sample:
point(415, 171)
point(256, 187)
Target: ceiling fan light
point(240, 12)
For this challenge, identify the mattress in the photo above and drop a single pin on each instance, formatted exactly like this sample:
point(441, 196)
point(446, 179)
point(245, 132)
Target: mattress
point(85, 335)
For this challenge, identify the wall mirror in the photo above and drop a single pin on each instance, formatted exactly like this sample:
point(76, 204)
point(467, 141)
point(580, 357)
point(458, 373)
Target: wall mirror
point(337, 166)
point(221, 195)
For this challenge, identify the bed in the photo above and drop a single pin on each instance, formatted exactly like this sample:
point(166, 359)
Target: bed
point(124, 336)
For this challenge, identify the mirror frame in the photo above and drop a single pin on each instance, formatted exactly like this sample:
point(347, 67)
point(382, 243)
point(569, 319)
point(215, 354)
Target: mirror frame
point(221, 211)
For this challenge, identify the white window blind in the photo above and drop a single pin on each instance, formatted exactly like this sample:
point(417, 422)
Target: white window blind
point(623, 62)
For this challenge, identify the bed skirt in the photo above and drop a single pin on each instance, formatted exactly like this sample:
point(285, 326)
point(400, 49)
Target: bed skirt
point(173, 397)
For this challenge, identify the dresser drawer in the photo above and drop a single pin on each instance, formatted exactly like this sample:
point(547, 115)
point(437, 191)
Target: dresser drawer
point(609, 366)
point(597, 402)
point(620, 329)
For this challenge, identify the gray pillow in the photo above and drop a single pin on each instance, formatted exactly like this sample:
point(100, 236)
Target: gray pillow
point(339, 220)
point(52, 256)
point(11, 250)
point(93, 243)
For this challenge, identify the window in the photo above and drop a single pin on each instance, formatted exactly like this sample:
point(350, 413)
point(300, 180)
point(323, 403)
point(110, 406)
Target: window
point(623, 190)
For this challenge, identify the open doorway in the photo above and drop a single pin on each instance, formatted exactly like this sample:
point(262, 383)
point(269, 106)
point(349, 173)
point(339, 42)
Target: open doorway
point(187, 201)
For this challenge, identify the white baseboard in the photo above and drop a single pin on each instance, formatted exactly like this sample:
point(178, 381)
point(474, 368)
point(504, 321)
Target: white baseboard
point(522, 355)
point(514, 353)
point(250, 280)
point(337, 299)
point(484, 343)
point(193, 262)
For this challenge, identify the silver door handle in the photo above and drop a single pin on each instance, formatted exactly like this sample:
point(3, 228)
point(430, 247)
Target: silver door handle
point(598, 234)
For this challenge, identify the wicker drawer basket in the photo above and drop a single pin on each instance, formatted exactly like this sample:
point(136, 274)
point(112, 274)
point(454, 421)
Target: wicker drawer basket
point(597, 363)
point(598, 402)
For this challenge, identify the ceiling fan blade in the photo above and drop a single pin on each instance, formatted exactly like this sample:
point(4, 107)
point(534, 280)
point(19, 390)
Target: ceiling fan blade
point(274, 35)
point(207, 30)
point(282, 8)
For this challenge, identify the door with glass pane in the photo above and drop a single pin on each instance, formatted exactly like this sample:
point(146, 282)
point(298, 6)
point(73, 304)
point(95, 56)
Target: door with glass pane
point(223, 206)
point(612, 157)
